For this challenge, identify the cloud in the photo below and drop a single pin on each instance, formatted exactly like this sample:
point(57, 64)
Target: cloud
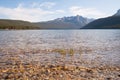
point(47, 4)
point(30, 13)
point(27, 14)
point(87, 12)
point(36, 12)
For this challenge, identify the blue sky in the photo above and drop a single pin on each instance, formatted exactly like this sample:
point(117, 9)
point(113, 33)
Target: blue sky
point(43, 10)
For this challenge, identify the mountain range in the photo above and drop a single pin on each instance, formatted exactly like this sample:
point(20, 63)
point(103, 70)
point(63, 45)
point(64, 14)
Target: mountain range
point(112, 22)
point(72, 22)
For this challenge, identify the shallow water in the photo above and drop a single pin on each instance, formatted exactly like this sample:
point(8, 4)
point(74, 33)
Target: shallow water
point(104, 45)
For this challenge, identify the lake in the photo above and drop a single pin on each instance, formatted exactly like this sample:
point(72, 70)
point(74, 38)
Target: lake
point(100, 45)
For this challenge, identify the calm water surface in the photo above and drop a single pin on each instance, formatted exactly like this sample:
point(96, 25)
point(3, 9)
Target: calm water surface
point(105, 43)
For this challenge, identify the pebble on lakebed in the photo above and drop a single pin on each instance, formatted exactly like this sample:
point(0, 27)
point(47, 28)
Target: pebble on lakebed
point(59, 72)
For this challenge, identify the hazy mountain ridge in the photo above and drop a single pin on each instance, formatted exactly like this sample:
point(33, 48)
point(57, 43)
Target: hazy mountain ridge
point(72, 22)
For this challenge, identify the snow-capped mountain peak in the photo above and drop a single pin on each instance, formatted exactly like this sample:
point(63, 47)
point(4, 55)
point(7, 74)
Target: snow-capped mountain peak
point(118, 13)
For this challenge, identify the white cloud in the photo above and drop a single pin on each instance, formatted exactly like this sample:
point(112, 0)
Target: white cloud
point(47, 5)
point(87, 12)
point(34, 14)
point(28, 14)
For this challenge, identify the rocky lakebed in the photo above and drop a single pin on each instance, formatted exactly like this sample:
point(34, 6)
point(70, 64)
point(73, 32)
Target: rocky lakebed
point(58, 64)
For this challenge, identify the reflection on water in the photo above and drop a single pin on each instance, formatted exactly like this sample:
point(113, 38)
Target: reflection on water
point(102, 42)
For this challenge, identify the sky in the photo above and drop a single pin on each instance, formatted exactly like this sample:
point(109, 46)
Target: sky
point(44, 10)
